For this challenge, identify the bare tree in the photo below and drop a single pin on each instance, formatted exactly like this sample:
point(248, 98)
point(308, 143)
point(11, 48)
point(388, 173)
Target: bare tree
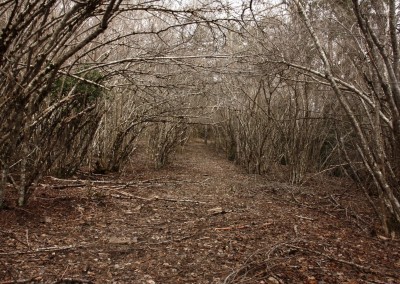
point(367, 88)
point(49, 50)
point(37, 40)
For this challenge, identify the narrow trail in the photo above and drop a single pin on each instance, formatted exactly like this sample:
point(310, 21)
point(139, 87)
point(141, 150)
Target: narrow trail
point(200, 220)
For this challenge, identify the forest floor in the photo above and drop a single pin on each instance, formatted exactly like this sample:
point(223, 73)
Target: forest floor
point(199, 220)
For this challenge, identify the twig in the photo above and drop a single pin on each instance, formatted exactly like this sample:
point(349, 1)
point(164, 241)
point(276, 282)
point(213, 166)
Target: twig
point(41, 250)
point(27, 238)
point(72, 281)
point(295, 199)
point(306, 218)
point(178, 200)
point(67, 186)
point(21, 281)
point(126, 194)
point(248, 263)
point(116, 182)
point(172, 240)
point(155, 198)
point(22, 209)
point(365, 269)
point(325, 170)
point(296, 202)
point(13, 236)
point(67, 180)
point(238, 227)
point(267, 224)
point(350, 213)
point(65, 271)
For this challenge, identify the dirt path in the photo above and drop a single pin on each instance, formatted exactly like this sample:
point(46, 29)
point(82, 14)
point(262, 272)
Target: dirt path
point(200, 220)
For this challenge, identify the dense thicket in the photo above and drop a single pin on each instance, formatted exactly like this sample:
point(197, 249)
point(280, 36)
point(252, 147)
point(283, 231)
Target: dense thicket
point(300, 87)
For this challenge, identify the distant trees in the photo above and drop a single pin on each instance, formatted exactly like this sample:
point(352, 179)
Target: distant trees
point(272, 116)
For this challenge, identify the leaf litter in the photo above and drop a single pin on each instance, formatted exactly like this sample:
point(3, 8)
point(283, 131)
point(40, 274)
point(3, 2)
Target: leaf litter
point(201, 219)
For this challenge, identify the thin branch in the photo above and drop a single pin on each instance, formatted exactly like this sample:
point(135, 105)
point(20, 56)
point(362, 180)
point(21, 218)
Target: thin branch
point(41, 250)
point(365, 269)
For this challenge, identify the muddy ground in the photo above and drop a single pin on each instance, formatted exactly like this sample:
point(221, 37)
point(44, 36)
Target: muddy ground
point(201, 219)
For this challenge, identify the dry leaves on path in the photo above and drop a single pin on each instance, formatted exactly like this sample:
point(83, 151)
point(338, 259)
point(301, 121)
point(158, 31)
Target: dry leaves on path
point(199, 220)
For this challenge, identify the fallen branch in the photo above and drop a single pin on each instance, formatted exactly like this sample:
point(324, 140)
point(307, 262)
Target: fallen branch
point(178, 200)
point(249, 264)
point(67, 186)
point(154, 198)
point(115, 182)
point(68, 180)
point(126, 195)
point(173, 240)
point(238, 227)
point(72, 281)
point(305, 218)
point(365, 269)
point(267, 224)
point(42, 250)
